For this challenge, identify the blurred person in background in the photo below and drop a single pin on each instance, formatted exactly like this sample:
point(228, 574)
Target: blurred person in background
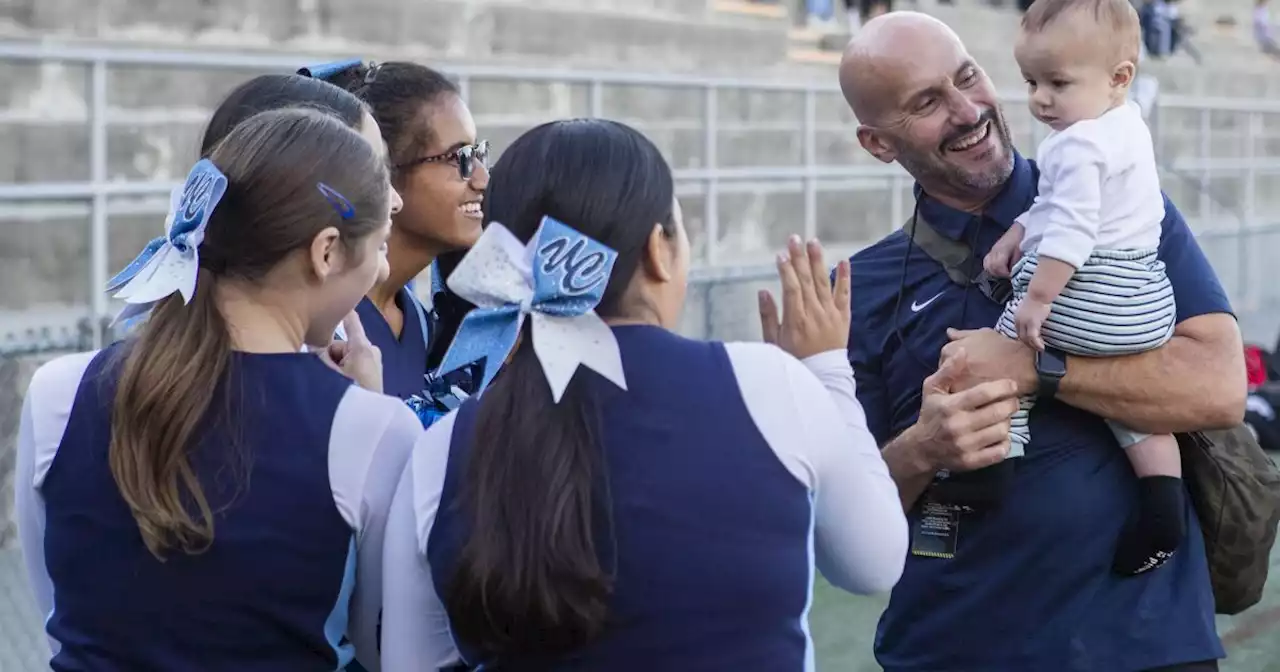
point(623, 498)
point(1263, 31)
point(860, 11)
point(820, 14)
point(1164, 31)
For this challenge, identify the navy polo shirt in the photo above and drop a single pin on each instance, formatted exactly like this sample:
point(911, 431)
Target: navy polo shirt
point(1030, 586)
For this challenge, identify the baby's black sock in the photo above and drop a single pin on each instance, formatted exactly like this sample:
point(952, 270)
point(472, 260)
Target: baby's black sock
point(1156, 530)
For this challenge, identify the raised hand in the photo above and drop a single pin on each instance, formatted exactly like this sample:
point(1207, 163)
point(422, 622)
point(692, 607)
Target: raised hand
point(815, 314)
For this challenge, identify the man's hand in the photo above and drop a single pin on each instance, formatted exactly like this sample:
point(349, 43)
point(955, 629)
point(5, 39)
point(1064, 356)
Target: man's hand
point(990, 356)
point(963, 430)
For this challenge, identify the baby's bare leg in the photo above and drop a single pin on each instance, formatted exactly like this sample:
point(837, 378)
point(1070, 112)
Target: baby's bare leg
point(1156, 455)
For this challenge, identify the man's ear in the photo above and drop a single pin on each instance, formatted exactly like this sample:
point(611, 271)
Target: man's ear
point(875, 145)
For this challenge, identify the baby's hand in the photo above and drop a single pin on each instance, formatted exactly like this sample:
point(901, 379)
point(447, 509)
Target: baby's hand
point(1005, 253)
point(1028, 320)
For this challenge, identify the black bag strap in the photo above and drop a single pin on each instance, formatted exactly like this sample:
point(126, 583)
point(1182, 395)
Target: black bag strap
point(954, 255)
point(956, 258)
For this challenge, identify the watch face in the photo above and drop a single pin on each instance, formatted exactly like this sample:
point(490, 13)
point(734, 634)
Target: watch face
point(1051, 363)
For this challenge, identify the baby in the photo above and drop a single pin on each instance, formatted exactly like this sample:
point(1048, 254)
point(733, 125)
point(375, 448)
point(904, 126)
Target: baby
point(1083, 259)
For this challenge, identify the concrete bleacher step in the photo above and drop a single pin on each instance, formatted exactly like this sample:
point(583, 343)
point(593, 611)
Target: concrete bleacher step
point(1232, 65)
point(809, 46)
point(764, 10)
point(157, 113)
point(655, 34)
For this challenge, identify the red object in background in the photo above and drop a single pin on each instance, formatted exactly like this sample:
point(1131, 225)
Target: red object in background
point(1255, 365)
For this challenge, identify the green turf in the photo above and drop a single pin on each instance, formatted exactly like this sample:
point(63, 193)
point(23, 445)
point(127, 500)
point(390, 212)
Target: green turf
point(844, 626)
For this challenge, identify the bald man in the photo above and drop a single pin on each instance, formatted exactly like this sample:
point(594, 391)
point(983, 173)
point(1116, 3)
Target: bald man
point(1014, 576)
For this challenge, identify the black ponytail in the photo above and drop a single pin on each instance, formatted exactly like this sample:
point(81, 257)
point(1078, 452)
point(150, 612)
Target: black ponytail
point(530, 581)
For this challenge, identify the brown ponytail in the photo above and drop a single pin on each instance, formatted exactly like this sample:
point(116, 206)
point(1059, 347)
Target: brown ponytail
point(165, 391)
point(178, 363)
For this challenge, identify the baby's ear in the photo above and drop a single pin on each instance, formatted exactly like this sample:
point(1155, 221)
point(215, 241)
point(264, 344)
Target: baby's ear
point(1123, 74)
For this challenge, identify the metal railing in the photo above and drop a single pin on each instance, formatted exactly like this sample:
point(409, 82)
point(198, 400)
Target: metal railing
point(709, 179)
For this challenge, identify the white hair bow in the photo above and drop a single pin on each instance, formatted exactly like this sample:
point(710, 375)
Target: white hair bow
point(558, 279)
point(171, 263)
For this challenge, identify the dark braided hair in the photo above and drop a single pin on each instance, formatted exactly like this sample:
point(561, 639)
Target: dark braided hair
point(396, 93)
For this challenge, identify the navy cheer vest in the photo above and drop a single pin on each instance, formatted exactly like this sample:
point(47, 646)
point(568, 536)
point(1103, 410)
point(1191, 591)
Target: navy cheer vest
point(271, 592)
point(713, 534)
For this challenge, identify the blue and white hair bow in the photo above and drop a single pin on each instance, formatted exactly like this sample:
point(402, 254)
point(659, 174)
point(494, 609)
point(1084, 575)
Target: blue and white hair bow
point(558, 279)
point(171, 262)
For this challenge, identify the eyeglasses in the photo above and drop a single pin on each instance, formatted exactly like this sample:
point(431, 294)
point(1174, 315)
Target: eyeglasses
point(466, 157)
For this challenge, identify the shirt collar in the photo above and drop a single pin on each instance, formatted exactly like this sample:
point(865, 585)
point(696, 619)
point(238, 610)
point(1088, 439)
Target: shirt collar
point(1015, 198)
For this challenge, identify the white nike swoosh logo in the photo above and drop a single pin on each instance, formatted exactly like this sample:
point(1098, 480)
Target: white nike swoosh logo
point(917, 307)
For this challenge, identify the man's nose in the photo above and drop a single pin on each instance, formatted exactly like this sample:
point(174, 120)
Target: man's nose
point(964, 112)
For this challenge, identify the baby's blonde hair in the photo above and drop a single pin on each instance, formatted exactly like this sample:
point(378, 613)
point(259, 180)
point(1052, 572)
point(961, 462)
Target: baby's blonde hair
point(1116, 20)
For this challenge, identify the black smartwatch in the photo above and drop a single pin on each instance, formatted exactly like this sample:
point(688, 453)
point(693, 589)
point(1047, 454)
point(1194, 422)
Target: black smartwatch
point(1051, 366)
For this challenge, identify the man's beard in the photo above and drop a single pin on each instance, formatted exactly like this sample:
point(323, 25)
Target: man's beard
point(930, 170)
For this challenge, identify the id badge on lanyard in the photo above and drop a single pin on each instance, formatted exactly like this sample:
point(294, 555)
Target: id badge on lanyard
point(937, 532)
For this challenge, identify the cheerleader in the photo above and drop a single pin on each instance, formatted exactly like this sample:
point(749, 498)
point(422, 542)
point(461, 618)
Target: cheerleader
point(201, 495)
point(618, 497)
point(440, 168)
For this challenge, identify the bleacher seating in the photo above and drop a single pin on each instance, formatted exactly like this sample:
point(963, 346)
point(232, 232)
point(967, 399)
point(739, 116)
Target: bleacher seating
point(156, 112)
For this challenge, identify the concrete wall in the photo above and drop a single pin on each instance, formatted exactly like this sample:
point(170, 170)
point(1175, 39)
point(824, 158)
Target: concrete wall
point(156, 114)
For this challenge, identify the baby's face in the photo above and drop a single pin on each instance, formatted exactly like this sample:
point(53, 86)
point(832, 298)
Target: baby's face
point(1070, 74)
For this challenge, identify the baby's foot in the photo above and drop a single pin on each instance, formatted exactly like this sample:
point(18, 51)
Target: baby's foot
point(1157, 529)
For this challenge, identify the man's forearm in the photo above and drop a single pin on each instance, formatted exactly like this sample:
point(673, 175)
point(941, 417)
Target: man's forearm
point(1195, 381)
point(907, 471)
